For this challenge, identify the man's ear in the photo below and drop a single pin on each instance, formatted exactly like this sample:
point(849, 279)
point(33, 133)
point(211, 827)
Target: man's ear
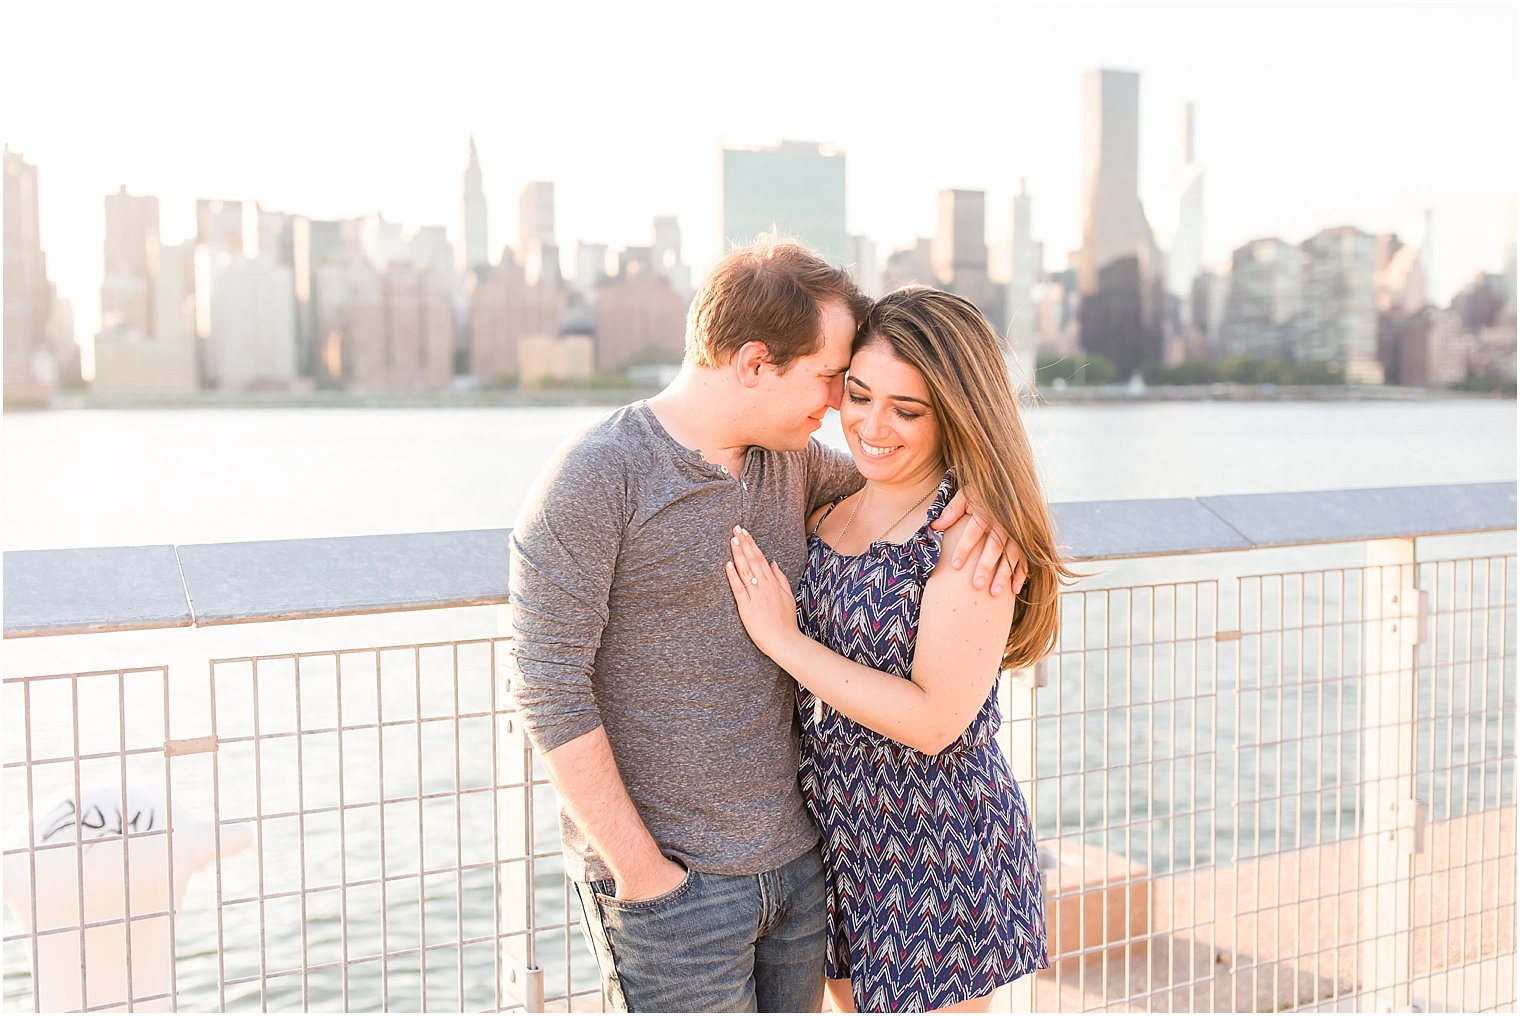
point(750, 360)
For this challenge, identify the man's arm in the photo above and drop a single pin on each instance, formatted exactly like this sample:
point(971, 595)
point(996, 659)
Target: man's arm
point(831, 474)
point(586, 776)
point(564, 554)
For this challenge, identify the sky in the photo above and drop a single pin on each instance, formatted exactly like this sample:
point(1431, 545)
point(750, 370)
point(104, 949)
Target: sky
point(1307, 116)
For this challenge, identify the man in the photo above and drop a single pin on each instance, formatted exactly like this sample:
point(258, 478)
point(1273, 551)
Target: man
point(670, 738)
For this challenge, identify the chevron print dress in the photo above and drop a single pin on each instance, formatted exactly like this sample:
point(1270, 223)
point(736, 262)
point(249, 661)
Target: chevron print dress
point(934, 890)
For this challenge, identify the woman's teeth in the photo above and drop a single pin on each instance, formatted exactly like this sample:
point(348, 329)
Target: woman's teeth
point(877, 450)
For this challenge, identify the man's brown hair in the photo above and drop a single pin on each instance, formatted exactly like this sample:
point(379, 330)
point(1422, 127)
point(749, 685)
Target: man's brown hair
point(773, 292)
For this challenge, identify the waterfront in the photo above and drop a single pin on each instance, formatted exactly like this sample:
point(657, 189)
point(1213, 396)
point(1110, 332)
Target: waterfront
point(247, 475)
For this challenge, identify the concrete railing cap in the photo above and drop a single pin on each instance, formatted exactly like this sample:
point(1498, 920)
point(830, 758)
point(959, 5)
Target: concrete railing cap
point(62, 592)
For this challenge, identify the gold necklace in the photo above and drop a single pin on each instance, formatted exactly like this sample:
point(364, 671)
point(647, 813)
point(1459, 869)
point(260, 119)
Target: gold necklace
point(856, 510)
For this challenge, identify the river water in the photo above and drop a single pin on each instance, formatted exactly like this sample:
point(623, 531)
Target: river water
point(110, 478)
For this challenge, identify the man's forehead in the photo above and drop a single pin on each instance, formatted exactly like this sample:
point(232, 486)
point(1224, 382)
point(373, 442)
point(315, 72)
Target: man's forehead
point(826, 361)
point(833, 361)
point(832, 357)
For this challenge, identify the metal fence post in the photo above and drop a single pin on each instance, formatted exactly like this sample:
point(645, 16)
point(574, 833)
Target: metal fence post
point(1020, 688)
point(1390, 831)
point(521, 982)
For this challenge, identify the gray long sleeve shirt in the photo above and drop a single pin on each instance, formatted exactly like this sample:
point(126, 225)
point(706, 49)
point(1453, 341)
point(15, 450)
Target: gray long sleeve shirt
point(624, 619)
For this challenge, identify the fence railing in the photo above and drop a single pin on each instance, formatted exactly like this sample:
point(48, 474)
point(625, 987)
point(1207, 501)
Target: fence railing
point(1262, 779)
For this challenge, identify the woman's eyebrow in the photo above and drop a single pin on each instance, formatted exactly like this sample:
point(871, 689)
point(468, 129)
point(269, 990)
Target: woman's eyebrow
point(899, 398)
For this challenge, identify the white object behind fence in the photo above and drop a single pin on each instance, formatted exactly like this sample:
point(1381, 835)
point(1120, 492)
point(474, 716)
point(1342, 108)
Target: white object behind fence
point(107, 849)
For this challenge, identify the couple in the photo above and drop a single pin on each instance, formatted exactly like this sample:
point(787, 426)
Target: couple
point(658, 636)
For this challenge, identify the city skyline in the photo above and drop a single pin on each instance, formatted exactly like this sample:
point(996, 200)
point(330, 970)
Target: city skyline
point(192, 142)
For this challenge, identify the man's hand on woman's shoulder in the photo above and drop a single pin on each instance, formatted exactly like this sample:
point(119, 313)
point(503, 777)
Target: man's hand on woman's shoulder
point(999, 558)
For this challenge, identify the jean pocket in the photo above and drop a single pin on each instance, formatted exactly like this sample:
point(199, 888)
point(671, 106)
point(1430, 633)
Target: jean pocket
point(655, 903)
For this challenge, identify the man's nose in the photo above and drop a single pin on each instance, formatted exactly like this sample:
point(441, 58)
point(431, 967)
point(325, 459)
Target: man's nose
point(836, 391)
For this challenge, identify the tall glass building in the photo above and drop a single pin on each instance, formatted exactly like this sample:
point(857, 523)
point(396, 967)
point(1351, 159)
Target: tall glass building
point(795, 188)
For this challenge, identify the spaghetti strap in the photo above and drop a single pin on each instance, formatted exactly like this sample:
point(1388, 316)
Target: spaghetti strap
point(832, 505)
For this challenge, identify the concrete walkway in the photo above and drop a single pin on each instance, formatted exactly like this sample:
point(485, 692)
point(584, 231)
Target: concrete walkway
point(1281, 932)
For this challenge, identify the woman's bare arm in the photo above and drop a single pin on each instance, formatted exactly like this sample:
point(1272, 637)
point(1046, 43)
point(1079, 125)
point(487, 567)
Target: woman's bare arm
point(961, 634)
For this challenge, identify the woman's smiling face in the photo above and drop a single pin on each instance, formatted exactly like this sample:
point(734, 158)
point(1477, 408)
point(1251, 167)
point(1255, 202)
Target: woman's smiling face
point(888, 420)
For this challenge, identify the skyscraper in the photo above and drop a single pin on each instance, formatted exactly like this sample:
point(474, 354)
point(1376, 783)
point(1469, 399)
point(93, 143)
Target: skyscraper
point(248, 309)
point(1400, 275)
point(1404, 328)
point(314, 242)
point(505, 310)
point(958, 252)
point(1264, 300)
point(474, 248)
point(640, 318)
point(1184, 227)
point(131, 256)
point(667, 243)
point(131, 234)
point(1117, 266)
point(1178, 220)
point(535, 216)
point(960, 243)
point(863, 265)
point(428, 249)
point(28, 294)
point(590, 268)
point(1340, 303)
point(418, 349)
point(796, 188)
point(165, 360)
point(381, 241)
point(276, 234)
point(147, 340)
point(219, 225)
point(387, 329)
point(1026, 267)
point(537, 250)
point(174, 293)
point(912, 265)
point(1112, 218)
point(666, 252)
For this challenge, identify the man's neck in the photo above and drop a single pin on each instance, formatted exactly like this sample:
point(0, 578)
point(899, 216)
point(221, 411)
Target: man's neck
point(696, 409)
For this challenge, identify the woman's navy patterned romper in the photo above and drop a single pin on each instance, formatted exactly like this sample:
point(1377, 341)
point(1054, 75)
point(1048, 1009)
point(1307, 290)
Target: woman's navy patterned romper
point(934, 891)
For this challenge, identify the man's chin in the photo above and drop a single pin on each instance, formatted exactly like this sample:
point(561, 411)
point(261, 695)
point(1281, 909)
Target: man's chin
point(786, 443)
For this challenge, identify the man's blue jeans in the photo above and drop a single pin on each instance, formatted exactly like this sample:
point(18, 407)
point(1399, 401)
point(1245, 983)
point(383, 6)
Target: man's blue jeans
point(715, 943)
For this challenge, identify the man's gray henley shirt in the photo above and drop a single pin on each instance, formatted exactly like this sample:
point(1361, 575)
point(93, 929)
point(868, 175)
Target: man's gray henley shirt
point(624, 619)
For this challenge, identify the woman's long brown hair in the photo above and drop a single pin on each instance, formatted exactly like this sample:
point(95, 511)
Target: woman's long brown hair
point(982, 438)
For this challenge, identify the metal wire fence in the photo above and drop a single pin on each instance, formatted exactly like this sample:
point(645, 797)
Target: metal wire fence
point(1260, 792)
point(1279, 791)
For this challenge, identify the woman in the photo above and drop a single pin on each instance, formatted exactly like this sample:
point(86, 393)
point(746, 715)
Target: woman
point(934, 885)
